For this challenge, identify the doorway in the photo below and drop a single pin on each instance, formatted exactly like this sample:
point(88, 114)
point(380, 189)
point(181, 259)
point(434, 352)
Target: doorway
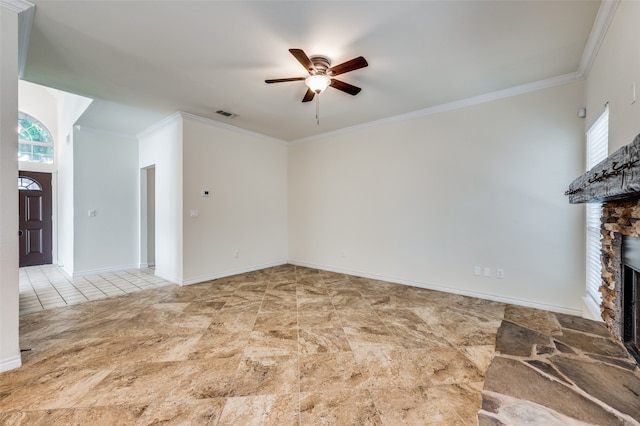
point(148, 217)
point(35, 218)
point(151, 216)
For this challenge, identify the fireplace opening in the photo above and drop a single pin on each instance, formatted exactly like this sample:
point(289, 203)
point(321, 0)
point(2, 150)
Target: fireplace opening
point(630, 296)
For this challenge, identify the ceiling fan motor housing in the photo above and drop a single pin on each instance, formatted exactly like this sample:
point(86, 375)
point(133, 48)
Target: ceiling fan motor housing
point(321, 63)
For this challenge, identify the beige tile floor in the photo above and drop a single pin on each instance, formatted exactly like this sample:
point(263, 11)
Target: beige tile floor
point(280, 346)
point(46, 286)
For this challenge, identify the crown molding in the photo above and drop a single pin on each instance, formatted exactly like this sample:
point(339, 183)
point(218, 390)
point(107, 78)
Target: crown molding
point(25, 11)
point(598, 32)
point(463, 103)
point(231, 128)
point(209, 122)
point(16, 5)
point(596, 36)
point(159, 124)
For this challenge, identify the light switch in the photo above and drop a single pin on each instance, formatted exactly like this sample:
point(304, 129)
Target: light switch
point(194, 213)
point(91, 213)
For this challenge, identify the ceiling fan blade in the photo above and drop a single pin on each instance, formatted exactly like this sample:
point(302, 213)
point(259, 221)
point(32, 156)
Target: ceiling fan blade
point(308, 97)
point(345, 87)
point(282, 80)
point(354, 64)
point(303, 59)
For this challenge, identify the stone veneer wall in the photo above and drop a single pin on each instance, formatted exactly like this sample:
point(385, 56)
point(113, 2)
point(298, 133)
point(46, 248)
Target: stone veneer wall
point(618, 218)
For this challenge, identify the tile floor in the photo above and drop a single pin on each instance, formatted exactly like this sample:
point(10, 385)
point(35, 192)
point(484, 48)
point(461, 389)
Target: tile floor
point(280, 346)
point(285, 345)
point(47, 287)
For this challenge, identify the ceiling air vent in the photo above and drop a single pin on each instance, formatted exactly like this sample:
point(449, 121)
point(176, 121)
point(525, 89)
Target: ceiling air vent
point(225, 113)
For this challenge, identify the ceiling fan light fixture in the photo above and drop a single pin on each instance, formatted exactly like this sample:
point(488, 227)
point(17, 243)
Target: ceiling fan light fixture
point(317, 82)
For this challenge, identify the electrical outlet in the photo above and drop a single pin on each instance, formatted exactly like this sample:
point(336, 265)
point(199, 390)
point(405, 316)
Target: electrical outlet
point(500, 273)
point(477, 270)
point(487, 272)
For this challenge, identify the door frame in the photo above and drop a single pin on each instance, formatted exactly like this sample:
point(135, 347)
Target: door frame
point(47, 168)
point(147, 217)
point(45, 181)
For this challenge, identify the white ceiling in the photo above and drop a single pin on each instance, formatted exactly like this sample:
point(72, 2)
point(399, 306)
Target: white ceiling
point(158, 57)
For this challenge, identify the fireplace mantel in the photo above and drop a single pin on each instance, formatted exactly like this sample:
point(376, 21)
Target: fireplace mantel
point(615, 178)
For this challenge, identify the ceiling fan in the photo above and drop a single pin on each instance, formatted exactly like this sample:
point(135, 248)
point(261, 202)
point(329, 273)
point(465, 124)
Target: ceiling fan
point(321, 74)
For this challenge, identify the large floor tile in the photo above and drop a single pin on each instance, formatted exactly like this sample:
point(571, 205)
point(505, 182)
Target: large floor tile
point(299, 346)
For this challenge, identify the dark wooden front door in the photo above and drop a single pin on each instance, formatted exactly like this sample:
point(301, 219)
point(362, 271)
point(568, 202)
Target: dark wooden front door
point(35, 225)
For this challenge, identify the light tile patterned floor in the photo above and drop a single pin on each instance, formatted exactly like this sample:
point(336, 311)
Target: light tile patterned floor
point(47, 286)
point(280, 346)
point(297, 346)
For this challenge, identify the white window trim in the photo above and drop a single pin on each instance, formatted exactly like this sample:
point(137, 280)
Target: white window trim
point(597, 151)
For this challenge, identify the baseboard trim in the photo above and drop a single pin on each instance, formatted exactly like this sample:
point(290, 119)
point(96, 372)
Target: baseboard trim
point(177, 281)
point(587, 312)
point(591, 309)
point(80, 274)
point(172, 280)
point(10, 363)
point(429, 286)
point(232, 272)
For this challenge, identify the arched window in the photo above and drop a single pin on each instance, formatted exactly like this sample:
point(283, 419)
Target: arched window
point(35, 143)
point(26, 183)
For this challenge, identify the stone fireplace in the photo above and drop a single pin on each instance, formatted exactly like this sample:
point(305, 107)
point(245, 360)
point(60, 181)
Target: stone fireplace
point(616, 183)
point(620, 230)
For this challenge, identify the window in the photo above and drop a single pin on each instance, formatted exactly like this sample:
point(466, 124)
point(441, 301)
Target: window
point(597, 149)
point(35, 143)
point(25, 183)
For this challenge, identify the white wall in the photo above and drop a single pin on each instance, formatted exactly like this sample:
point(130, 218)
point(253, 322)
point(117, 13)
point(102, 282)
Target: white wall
point(64, 197)
point(105, 180)
point(70, 108)
point(161, 146)
point(246, 210)
point(613, 72)
point(40, 102)
point(426, 200)
point(9, 344)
